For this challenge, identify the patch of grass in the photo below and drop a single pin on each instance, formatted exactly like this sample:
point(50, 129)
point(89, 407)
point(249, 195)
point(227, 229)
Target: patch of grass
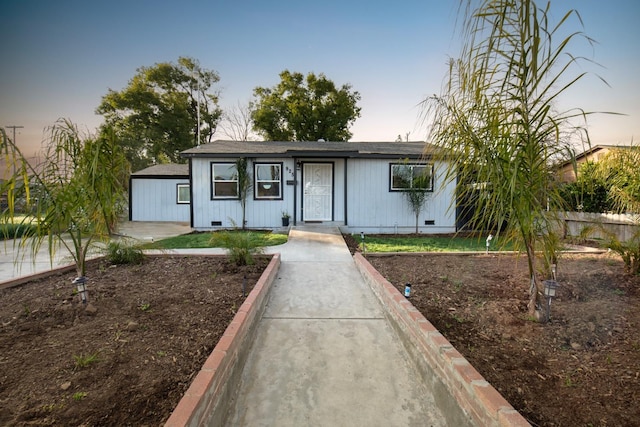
point(419, 243)
point(145, 307)
point(15, 231)
point(123, 253)
point(79, 395)
point(240, 245)
point(458, 318)
point(83, 361)
point(206, 240)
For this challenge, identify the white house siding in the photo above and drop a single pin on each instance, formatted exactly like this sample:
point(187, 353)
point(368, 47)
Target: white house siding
point(259, 213)
point(372, 208)
point(154, 199)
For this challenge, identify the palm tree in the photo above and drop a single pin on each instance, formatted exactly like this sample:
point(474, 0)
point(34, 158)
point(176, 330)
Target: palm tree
point(497, 122)
point(75, 195)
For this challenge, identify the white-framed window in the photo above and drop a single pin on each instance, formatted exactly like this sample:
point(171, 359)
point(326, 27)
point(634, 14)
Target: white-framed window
point(183, 194)
point(268, 181)
point(406, 176)
point(224, 181)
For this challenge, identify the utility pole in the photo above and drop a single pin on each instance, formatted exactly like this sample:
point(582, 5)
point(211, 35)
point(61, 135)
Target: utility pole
point(14, 127)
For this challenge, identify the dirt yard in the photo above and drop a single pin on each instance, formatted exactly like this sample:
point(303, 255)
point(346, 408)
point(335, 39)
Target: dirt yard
point(581, 369)
point(126, 359)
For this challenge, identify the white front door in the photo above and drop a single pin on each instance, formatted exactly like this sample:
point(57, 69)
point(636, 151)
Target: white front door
point(318, 189)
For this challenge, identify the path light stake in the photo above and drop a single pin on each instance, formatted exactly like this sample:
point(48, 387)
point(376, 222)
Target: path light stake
point(407, 290)
point(364, 248)
point(550, 287)
point(489, 237)
point(81, 287)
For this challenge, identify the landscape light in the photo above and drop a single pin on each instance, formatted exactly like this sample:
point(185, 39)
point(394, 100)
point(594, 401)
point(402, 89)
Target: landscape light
point(81, 287)
point(364, 248)
point(550, 288)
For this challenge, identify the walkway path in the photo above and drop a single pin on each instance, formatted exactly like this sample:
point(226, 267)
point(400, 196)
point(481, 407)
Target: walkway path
point(324, 353)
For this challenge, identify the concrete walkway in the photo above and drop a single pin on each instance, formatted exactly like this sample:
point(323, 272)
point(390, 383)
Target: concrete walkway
point(324, 354)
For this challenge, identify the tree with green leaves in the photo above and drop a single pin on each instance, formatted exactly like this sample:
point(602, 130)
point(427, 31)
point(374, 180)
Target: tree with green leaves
point(497, 121)
point(75, 195)
point(303, 108)
point(165, 109)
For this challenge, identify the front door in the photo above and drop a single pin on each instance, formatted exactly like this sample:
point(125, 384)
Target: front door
point(318, 191)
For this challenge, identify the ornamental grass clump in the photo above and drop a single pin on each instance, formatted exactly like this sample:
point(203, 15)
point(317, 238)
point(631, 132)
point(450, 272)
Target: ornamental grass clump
point(240, 245)
point(122, 253)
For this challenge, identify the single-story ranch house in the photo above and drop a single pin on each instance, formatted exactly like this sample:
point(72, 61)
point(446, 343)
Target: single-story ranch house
point(357, 186)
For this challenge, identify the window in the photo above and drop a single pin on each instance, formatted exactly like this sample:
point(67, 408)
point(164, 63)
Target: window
point(225, 181)
point(268, 180)
point(184, 195)
point(407, 176)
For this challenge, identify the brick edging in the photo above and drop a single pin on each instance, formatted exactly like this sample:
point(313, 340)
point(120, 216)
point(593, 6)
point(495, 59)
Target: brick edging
point(475, 396)
point(207, 397)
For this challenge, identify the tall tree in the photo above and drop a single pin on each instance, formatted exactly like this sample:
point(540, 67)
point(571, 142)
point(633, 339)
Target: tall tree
point(75, 195)
point(157, 116)
point(307, 108)
point(497, 121)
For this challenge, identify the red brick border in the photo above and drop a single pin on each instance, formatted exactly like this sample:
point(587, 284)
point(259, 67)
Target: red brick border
point(207, 397)
point(475, 396)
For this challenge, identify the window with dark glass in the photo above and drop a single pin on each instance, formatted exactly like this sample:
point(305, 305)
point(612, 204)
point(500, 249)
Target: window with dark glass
point(406, 176)
point(268, 180)
point(225, 181)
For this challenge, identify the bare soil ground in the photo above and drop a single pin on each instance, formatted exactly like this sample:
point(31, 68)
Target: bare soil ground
point(128, 358)
point(581, 369)
point(150, 328)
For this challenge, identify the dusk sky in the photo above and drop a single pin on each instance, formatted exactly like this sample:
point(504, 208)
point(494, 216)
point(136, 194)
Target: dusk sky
point(60, 58)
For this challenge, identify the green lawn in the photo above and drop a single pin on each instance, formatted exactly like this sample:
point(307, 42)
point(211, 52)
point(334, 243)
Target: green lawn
point(15, 227)
point(427, 244)
point(202, 240)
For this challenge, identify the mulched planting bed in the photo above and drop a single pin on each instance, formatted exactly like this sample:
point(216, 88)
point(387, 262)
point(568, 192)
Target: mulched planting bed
point(128, 357)
point(581, 369)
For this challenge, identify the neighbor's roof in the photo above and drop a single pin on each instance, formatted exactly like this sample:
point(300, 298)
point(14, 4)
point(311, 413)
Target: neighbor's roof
point(311, 149)
point(171, 169)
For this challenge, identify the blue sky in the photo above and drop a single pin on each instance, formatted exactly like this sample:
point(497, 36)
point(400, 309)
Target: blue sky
point(60, 58)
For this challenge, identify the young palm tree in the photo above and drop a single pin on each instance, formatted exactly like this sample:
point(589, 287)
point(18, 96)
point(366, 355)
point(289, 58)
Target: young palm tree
point(497, 122)
point(75, 195)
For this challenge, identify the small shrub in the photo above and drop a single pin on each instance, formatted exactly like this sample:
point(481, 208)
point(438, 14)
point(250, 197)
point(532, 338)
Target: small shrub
point(122, 253)
point(629, 250)
point(240, 245)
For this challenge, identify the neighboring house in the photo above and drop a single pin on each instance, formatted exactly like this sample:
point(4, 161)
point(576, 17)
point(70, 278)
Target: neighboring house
point(160, 193)
point(593, 154)
point(355, 185)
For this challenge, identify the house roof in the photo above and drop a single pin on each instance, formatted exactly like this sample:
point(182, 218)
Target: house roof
point(311, 149)
point(171, 169)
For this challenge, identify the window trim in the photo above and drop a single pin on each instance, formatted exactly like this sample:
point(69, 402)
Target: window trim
point(411, 165)
point(178, 200)
point(255, 181)
point(213, 182)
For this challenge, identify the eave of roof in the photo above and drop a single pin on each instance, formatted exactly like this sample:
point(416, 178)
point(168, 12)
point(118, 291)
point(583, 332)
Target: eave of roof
point(311, 149)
